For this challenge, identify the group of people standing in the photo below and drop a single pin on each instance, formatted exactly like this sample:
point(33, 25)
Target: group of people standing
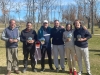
point(72, 41)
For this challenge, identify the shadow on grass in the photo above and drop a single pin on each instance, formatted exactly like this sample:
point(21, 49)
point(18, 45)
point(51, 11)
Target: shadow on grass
point(94, 50)
point(5, 47)
point(84, 73)
point(46, 70)
point(60, 71)
point(39, 61)
point(38, 69)
point(3, 70)
point(29, 62)
point(97, 54)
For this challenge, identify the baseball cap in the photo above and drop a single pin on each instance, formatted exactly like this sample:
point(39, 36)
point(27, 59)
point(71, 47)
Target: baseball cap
point(45, 21)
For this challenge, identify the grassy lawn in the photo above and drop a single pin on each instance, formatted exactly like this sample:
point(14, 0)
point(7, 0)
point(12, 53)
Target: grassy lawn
point(94, 50)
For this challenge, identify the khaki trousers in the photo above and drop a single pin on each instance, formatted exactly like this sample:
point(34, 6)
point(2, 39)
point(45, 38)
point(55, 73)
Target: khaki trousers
point(12, 60)
point(70, 53)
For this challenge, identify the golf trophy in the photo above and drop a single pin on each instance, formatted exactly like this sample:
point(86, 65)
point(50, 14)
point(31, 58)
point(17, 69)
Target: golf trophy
point(14, 38)
point(42, 40)
point(69, 36)
point(78, 37)
point(29, 38)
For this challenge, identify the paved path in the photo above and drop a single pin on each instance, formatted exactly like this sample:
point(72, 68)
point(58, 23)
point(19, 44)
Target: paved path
point(96, 34)
point(1, 28)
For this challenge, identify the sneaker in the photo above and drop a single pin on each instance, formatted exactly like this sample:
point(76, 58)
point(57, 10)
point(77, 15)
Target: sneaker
point(79, 73)
point(34, 70)
point(57, 70)
point(24, 70)
point(74, 72)
point(8, 72)
point(63, 70)
point(42, 70)
point(89, 74)
point(16, 71)
point(70, 72)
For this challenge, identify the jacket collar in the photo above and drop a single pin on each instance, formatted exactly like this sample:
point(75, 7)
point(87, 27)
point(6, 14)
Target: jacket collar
point(42, 27)
point(28, 31)
point(79, 28)
point(11, 28)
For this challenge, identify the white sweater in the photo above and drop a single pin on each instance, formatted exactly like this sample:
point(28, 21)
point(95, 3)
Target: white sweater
point(65, 37)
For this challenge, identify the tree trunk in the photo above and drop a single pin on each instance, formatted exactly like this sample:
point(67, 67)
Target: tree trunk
point(89, 24)
point(99, 24)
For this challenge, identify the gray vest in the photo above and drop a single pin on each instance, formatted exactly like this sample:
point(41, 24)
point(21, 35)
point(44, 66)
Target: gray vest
point(11, 34)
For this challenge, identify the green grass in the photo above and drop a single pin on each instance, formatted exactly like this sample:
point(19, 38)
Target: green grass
point(96, 30)
point(94, 50)
point(94, 47)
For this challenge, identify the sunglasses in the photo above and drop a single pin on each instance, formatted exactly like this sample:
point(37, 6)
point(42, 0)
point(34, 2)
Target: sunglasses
point(45, 23)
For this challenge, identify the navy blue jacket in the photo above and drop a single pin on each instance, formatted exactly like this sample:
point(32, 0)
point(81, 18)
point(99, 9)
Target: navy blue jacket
point(84, 34)
point(57, 36)
point(42, 31)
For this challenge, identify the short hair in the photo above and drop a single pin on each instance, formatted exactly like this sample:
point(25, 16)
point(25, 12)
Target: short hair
point(68, 24)
point(28, 23)
point(77, 20)
point(56, 20)
point(11, 20)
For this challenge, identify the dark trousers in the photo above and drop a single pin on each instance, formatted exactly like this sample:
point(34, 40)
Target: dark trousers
point(26, 54)
point(43, 51)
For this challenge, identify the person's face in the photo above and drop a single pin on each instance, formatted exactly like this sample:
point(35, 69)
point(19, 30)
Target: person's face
point(68, 27)
point(12, 24)
point(29, 26)
point(45, 25)
point(77, 24)
point(56, 23)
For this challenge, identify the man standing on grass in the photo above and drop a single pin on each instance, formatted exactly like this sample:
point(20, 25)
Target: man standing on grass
point(28, 37)
point(45, 32)
point(11, 36)
point(58, 45)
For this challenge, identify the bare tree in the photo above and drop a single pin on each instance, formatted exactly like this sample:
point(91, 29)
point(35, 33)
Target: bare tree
point(80, 10)
point(96, 13)
point(70, 13)
point(4, 4)
point(92, 4)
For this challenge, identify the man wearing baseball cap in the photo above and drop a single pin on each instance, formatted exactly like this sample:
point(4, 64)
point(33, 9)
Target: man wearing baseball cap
point(45, 21)
point(44, 32)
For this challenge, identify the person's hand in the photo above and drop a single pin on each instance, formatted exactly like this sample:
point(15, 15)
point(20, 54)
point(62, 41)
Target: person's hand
point(84, 27)
point(68, 39)
point(11, 40)
point(30, 41)
point(82, 39)
point(15, 40)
